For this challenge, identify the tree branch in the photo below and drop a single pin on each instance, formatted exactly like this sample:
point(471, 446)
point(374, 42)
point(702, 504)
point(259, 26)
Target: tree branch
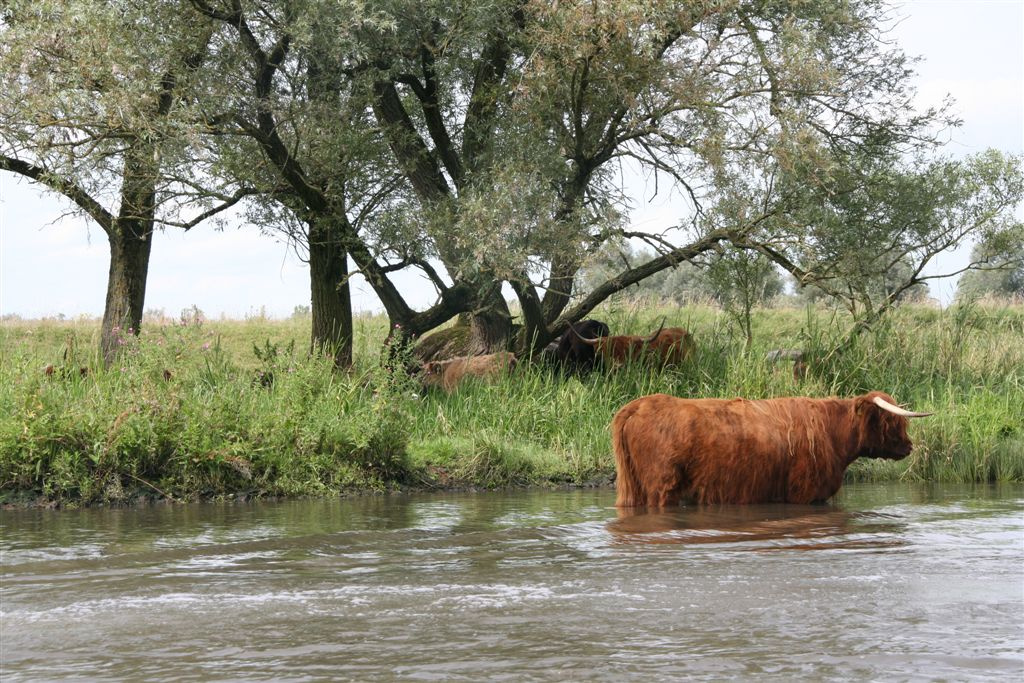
point(633, 275)
point(227, 203)
point(64, 186)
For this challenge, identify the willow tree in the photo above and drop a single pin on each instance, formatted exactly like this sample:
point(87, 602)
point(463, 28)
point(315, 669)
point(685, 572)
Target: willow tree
point(510, 122)
point(292, 120)
point(95, 106)
point(710, 99)
point(872, 232)
point(307, 152)
point(715, 100)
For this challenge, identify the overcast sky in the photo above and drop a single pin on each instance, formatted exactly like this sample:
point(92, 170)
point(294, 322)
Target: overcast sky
point(55, 264)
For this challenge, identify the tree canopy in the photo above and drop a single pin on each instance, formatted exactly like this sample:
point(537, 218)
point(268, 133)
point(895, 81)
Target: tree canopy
point(94, 112)
point(1000, 272)
point(487, 144)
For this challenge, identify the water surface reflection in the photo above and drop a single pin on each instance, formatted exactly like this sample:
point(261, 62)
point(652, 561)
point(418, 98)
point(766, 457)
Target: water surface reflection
point(906, 582)
point(760, 527)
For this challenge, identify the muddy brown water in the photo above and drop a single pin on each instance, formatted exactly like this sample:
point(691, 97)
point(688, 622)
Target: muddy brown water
point(890, 582)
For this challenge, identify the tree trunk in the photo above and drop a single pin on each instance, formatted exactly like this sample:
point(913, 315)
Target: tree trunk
point(490, 328)
point(489, 333)
point(331, 298)
point(130, 244)
point(563, 276)
point(131, 241)
point(535, 333)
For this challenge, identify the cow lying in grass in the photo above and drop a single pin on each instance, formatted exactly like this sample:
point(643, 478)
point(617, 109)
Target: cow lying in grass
point(673, 345)
point(666, 346)
point(448, 374)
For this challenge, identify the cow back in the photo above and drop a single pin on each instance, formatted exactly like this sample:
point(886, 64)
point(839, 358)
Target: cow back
point(450, 374)
point(673, 345)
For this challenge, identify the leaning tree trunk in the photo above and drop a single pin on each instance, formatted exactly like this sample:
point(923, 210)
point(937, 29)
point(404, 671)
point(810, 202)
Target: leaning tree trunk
point(331, 298)
point(130, 244)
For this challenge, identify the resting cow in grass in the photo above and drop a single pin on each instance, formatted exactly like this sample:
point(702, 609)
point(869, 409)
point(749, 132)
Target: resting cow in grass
point(448, 374)
point(786, 450)
point(668, 345)
point(672, 345)
point(570, 353)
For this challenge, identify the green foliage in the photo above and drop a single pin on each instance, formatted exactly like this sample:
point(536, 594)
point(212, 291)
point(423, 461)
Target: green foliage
point(875, 287)
point(80, 101)
point(204, 429)
point(867, 233)
point(743, 279)
point(272, 360)
point(1003, 275)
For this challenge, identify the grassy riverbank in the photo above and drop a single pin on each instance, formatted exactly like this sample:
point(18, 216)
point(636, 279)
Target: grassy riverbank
point(185, 415)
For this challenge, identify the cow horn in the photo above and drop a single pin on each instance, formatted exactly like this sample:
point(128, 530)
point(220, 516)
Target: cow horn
point(896, 410)
point(583, 339)
point(660, 328)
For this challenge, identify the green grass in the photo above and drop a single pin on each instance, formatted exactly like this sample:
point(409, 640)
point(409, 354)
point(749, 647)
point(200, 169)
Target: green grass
point(213, 430)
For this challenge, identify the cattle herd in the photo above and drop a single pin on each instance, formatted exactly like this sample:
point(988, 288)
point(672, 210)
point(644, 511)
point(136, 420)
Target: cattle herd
point(581, 349)
point(669, 450)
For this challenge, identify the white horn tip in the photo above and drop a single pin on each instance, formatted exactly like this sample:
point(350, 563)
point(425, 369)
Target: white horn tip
point(896, 410)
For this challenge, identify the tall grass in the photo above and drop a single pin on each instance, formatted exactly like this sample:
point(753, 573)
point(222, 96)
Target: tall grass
point(194, 410)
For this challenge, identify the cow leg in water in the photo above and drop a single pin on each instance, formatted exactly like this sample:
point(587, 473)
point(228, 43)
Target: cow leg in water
point(663, 485)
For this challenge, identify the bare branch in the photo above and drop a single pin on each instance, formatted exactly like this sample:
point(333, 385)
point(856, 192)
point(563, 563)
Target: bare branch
point(64, 186)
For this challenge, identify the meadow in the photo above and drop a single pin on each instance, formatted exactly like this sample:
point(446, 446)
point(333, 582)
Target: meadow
point(201, 409)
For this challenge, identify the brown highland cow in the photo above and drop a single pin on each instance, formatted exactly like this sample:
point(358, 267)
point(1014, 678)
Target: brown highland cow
point(791, 450)
point(448, 374)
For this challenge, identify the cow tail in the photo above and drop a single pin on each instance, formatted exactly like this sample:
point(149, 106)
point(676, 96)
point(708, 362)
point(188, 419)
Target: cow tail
point(627, 488)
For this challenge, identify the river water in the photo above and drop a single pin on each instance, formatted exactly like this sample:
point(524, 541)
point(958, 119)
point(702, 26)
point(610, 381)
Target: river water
point(895, 582)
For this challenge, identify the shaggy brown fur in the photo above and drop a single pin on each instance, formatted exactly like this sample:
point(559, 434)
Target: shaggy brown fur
point(621, 348)
point(447, 374)
point(673, 345)
point(792, 450)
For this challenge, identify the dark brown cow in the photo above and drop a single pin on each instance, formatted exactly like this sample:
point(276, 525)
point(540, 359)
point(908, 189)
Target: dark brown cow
point(570, 353)
point(792, 450)
point(447, 374)
point(618, 349)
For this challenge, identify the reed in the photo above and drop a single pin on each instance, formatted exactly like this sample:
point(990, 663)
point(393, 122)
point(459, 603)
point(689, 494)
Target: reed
point(213, 409)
